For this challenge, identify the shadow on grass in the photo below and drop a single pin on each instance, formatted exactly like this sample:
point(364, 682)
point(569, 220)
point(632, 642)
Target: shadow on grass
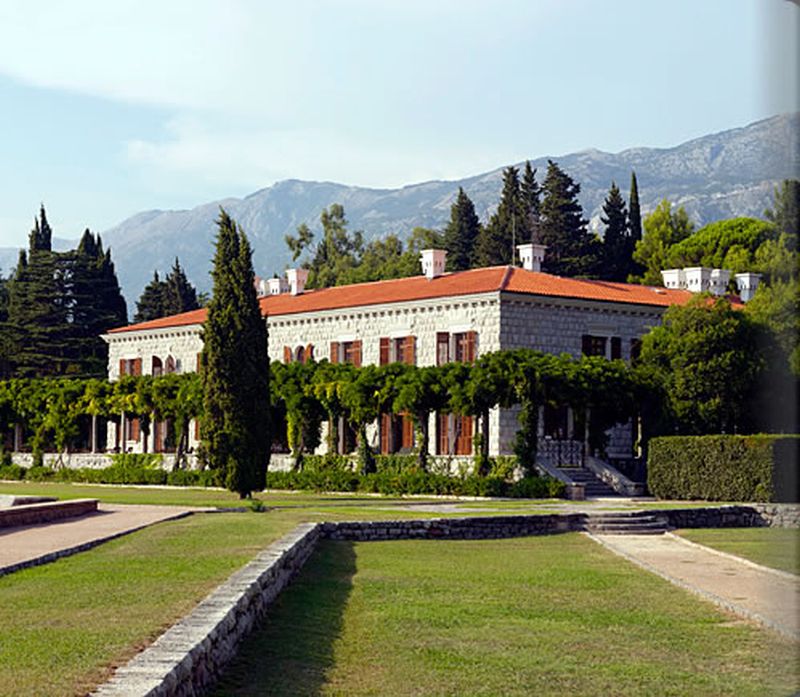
point(292, 651)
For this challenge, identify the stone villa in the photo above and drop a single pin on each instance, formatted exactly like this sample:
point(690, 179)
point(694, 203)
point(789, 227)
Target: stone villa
point(425, 320)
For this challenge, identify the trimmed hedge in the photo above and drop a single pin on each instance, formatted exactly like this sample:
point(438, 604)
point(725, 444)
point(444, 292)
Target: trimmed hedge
point(116, 474)
point(724, 468)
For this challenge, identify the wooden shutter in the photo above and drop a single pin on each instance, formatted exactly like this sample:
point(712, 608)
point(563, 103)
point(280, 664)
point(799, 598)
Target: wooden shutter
point(464, 435)
point(407, 441)
point(442, 439)
point(135, 429)
point(123, 367)
point(636, 349)
point(197, 429)
point(586, 345)
point(137, 366)
point(309, 353)
point(386, 428)
point(616, 347)
point(287, 354)
point(334, 351)
point(199, 362)
point(471, 346)
point(442, 348)
point(357, 353)
point(384, 354)
point(409, 350)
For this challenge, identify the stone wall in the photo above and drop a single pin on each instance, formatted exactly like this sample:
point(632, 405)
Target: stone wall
point(188, 657)
point(753, 515)
point(91, 460)
point(39, 513)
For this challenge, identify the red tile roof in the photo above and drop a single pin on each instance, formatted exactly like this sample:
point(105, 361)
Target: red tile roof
point(486, 280)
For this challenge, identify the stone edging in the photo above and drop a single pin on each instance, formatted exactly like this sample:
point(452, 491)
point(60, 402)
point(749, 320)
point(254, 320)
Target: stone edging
point(45, 512)
point(187, 658)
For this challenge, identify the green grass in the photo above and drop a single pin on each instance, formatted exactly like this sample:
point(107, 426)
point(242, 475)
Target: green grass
point(554, 615)
point(778, 548)
point(64, 624)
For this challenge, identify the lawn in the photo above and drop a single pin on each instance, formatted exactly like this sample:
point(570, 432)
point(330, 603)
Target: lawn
point(549, 615)
point(64, 624)
point(778, 548)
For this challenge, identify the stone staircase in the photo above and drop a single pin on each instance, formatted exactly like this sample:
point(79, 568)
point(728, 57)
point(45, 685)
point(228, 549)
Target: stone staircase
point(593, 486)
point(625, 523)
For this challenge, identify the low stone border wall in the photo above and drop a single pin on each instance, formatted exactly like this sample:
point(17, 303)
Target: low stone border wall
point(188, 657)
point(37, 513)
point(484, 528)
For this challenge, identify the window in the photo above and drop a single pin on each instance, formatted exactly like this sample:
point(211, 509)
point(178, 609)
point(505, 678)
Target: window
point(156, 367)
point(346, 352)
point(593, 345)
point(130, 366)
point(397, 430)
point(300, 354)
point(454, 433)
point(460, 347)
point(636, 349)
point(398, 350)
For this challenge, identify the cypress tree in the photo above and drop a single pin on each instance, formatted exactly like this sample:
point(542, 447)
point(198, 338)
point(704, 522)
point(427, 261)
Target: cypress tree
point(616, 247)
point(150, 304)
point(571, 249)
point(531, 204)
point(634, 228)
point(505, 228)
point(235, 367)
point(461, 234)
point(179, 295)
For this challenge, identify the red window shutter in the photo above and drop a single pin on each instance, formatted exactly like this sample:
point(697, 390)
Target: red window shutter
point(442, 348)
point(471, 347)
point(334, 351)
point(199, 362)
point(407, 442)
point(287, 354)
point(197, 429)
point(442, 436)
point(310, 352)
point(464, 435)
point(386, 427)
point(123, 367)
point(616, 347)
point(136, 429)
point(357, 353)
point(384, 358)
point(409, 350)
point(137, 366)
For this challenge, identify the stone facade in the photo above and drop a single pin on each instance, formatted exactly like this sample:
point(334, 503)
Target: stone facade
point(499, 319)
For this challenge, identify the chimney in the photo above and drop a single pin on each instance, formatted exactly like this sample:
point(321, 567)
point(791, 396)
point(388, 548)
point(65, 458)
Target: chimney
point(719, 281)
point(674, 278)
point(698, 279)
point(433, 261)
point(747, 283)
point(278, 286)
point(531, 255)
point(297, 280)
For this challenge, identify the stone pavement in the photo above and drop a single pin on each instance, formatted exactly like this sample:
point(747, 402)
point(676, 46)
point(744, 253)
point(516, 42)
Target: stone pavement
point(31, 545)
point(749, 590)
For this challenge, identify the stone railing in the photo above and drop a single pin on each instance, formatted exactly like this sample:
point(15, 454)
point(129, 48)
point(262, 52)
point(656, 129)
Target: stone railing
point(575, 491)
point(613, 477)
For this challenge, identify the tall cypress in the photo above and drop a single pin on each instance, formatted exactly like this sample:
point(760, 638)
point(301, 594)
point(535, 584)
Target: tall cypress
point(461, 234)
point(179, 295)
point(505, 228)
point(634, 227)
point(571, 249)
point(531, 204)
point(150, 304)
point(616, 249)
point(235, 429)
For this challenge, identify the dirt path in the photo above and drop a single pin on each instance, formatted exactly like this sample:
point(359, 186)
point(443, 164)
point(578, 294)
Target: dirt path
point(767, 596)
point(31, 545)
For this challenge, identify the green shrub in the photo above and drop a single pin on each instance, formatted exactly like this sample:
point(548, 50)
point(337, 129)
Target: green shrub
point(194, 478)
point(38, 473)
point(12, 471)
point(724, 467)
point(137, 460)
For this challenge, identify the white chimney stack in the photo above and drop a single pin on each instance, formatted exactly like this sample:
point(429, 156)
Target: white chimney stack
point(297, 280)
point(278, 286)
point(719, 280)
point(531, 256)
point(674, 278)
point(746, 283)
point(433, 261)
point(698, 279)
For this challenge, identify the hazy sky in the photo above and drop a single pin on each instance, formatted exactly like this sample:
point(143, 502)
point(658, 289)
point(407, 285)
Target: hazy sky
point(112, 107)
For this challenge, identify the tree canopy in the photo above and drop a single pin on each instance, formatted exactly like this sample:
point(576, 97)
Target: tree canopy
point(663, 228)
point(170, 296)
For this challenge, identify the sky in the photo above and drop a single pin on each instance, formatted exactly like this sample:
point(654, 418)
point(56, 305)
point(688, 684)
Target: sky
point(111, 108)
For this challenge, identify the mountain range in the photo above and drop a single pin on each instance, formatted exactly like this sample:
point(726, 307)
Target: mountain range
point(717, 176)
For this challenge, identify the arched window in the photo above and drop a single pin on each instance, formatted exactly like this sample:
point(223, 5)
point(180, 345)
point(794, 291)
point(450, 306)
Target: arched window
point(157, 368)
point(300, 354)
point(170, 365)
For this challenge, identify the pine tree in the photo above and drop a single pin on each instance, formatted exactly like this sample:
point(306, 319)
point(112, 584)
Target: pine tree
point(38, 309)
point(571, 249)
point(531, 204)
point(236, 435)
point(150, 304)
point(179, 295)
point(461, 234)
point(505, 228)
point(616, 247)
